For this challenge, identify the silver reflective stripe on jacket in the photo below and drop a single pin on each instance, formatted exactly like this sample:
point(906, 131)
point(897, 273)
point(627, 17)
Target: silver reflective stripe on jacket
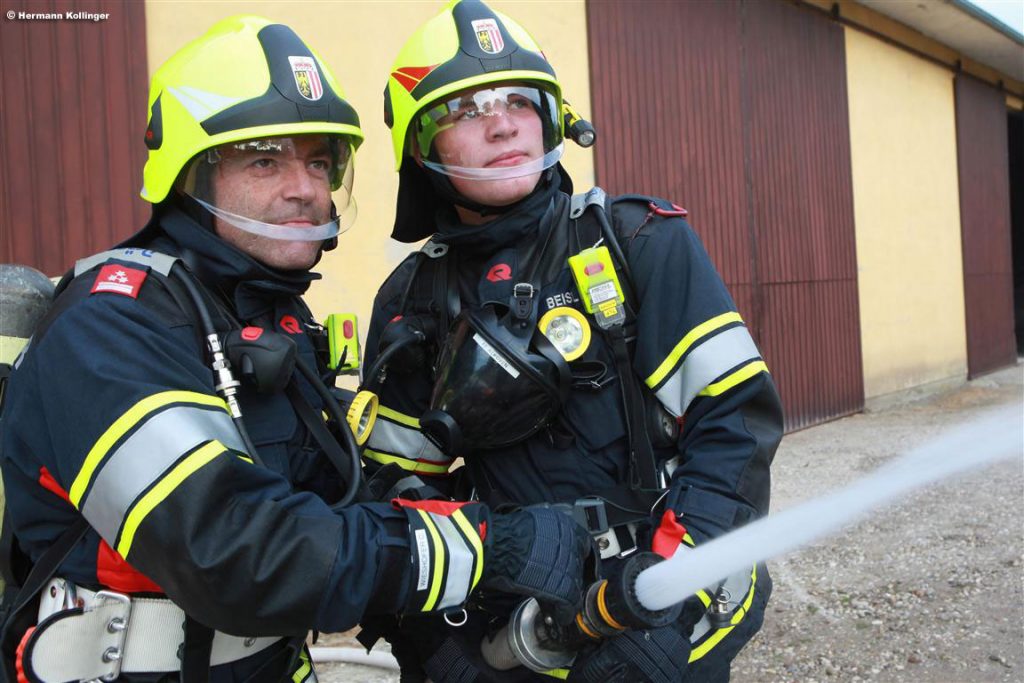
point(146, 455)
point(706, 361)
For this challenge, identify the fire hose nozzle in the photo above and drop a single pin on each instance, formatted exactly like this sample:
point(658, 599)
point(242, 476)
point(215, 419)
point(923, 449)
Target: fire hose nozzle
point(610, 606)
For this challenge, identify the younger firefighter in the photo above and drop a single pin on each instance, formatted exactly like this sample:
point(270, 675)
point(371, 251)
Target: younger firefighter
point(180, 526)
point(579, 351)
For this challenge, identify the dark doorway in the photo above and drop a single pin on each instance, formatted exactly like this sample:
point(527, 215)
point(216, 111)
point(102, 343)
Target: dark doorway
point(1015, 138)
point(982, 141)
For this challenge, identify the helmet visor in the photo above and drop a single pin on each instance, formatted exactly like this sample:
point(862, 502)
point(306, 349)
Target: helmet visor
point(490, 133)
point(319, 164)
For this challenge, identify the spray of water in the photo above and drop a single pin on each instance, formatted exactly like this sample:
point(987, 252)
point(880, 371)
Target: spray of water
point(997, 436)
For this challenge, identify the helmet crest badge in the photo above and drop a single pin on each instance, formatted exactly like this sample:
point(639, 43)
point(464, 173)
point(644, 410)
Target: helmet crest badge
point(488, 36)
point(307, 77)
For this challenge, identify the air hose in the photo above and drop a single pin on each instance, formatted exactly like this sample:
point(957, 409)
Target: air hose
point(227, 386)
point(333, 408)
point(225, 382)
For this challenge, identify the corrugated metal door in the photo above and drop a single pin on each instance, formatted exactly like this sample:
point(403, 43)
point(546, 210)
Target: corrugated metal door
point(72, 124)
point(738, 111)
point(982, 157)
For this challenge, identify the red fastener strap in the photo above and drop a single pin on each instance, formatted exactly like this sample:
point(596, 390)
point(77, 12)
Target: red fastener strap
point(675, 212)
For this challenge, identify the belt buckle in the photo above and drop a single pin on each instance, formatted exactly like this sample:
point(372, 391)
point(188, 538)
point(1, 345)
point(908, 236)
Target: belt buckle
point(58, 595)
point(524, 289)
point(590, 513)
point(117, 628)
point(610, 545)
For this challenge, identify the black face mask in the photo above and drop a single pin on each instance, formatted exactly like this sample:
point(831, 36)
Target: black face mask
point(499, 381)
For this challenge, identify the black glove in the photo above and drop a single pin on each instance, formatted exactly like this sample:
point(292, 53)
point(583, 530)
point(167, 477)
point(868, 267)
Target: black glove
point(540, 553)
point(657, 655)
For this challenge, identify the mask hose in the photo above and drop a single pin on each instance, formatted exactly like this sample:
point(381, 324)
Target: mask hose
point(333, 408)
point(226, 383)
point(227, 387)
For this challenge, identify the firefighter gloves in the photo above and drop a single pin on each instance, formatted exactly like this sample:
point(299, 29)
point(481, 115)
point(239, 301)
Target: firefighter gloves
point(538, 552)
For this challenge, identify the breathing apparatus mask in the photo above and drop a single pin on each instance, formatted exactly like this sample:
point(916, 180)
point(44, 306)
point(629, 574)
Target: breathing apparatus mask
point(329, 161)
point(499, 380)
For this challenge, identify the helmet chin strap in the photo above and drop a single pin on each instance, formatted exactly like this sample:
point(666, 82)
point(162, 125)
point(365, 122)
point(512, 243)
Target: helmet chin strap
point(198, 211)
point(446, 190)
point(330, 243)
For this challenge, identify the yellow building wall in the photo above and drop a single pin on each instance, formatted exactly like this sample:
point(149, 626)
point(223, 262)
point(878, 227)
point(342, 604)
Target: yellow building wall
point(359, 41)
point(907, 212)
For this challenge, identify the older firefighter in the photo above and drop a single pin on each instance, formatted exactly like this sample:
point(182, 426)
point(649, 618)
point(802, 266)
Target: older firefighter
point(575, 350)
point(170, 479)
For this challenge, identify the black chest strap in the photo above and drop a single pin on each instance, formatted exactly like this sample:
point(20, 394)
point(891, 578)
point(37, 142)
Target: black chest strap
point(589, 213)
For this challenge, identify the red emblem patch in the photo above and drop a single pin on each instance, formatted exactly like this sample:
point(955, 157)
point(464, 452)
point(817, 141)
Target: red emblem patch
point(290, 325)
point(499, 272)
point(118, 279)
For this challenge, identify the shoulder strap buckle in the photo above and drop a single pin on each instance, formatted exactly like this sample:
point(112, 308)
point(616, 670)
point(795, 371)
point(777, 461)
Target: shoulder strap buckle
point(522, 300)
point(434, 249)
point(579, 202)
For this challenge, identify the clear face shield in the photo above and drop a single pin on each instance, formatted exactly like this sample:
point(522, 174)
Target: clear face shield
point(490, 133)
point(322, 161)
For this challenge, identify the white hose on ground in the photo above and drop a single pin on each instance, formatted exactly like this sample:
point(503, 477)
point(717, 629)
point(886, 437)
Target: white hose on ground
point(351, 655)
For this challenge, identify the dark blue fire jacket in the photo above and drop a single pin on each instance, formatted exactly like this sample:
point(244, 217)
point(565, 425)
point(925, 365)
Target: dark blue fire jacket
point(112, 414)
point(692, 350)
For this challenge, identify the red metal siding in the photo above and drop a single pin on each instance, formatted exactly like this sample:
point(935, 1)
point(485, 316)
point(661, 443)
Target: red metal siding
point(737, 110)
point(72, 124)
point(982, 157)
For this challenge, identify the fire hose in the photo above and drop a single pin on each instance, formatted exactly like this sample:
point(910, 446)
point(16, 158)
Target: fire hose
point(647, 592)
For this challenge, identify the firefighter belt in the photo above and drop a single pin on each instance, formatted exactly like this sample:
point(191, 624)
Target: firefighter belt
point(85, 635)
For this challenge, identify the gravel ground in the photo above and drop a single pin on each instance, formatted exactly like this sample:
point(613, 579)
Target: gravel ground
point(930, 590)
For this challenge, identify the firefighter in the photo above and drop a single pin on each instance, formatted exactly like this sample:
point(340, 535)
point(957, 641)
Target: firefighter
point(577, 350)
point(174, 497)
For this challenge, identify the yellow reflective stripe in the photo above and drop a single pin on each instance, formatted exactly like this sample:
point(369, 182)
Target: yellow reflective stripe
point(738, 377)
point(717, 636)
point(305, 667)
point(686, 342)
point(562, 674)
point(395, 416)
point(164, 487)
point(245, 458)
point(704, 597)
point(405, 463)
point(435, 585)
point(474, 540)
point(121, 425)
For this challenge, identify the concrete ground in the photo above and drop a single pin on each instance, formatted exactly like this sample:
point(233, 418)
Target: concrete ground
point(930, 590)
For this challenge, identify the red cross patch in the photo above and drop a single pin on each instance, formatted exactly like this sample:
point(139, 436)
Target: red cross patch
point(118, 279)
